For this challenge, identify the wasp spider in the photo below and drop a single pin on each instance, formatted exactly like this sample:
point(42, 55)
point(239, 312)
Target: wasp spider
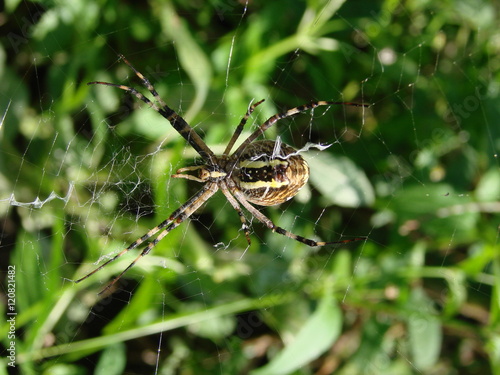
point(264, 172)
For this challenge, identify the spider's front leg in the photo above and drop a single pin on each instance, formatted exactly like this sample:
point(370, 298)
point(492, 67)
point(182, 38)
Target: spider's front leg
point(173, 221)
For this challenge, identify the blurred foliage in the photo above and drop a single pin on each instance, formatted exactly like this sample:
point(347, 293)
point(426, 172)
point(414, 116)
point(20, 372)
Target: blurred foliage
point(86, 170)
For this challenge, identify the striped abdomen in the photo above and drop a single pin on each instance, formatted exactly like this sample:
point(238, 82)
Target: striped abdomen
point(270, 173)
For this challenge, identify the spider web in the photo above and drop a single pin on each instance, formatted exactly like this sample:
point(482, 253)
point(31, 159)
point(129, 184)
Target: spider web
point(85, 171)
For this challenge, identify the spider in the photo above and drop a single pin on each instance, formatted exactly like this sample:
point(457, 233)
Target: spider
point(263, 172)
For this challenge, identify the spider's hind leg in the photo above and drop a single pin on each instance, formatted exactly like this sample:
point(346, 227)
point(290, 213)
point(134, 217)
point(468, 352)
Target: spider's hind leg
point(237, 208)
point(269, 223)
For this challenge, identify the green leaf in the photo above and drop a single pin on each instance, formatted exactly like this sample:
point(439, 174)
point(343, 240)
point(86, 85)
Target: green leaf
point(11, 5)
point(488, 188)
point(317, 336)
point(441, 211)
point(112, 360)
point(339, 181)
point(64, 369)
point(191, 57)
point(424, 329)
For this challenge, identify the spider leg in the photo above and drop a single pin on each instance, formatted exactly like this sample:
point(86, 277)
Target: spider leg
point(173, 221)
point(239, 128)
point(223, 187)
point(145, 82)
point(268, 222)
point(177, 122)
point(144, 252)
point(279, 116)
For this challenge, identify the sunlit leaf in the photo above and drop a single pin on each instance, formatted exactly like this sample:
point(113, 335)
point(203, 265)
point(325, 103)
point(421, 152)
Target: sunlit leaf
point(315, 337)
point(339, 181)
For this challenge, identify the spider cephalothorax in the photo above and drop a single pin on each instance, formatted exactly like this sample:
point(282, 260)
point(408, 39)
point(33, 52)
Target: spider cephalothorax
point(265, 173)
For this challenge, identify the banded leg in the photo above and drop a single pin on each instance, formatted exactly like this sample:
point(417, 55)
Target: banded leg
point(268, 222)
point(177, 122)
point(240, 126)
point(223, 187)
point(174, 220)
point(293, 111)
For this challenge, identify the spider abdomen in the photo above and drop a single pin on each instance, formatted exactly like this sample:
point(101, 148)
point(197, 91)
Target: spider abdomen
point(269, 173)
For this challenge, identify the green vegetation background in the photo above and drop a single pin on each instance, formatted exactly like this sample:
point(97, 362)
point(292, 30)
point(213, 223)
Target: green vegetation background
point(85, 170)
